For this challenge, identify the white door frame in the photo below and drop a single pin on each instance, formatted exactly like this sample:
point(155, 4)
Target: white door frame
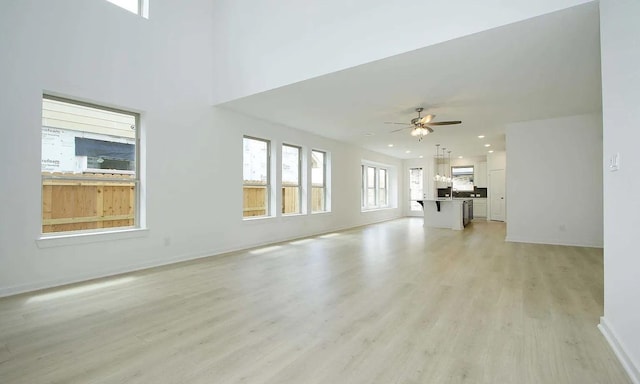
point(497, 194)
point(419, 213)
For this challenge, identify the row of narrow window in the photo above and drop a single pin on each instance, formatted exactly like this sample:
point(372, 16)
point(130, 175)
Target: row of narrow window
point(257, 179)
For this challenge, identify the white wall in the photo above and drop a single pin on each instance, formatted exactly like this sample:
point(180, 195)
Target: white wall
point(496, 160)
point(263, 45)
point(554, 181)
point(620, 33)
point(161, 67)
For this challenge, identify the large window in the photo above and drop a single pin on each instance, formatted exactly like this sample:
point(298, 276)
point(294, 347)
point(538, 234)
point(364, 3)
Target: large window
point(318, 181)
point(462, 178)
point(256, 178)
point(291, 191)
point(139, 7)
point(89, 167)
point(375, 187)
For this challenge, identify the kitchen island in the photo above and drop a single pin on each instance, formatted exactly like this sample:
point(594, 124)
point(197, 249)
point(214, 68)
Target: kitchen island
point(448, 213)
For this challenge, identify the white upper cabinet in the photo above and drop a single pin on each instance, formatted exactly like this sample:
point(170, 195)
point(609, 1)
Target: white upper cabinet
point(480, 175)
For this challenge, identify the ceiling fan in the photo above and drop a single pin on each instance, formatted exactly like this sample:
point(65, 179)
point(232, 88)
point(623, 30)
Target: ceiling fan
point(421, 126)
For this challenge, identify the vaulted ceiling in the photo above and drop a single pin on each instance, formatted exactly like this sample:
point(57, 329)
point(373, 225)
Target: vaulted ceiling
point(544, 67)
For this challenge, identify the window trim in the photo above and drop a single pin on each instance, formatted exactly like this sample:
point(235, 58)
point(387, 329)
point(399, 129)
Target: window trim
point(138, 219)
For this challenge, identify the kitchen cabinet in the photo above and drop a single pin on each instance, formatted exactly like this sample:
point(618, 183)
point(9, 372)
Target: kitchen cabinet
point(480, 208)
point(448, 213)
point(480, 175)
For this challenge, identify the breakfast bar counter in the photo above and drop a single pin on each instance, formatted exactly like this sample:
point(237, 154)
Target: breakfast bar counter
point(448, 213)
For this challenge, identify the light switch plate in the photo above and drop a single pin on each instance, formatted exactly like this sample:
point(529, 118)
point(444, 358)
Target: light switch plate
point(614, 162)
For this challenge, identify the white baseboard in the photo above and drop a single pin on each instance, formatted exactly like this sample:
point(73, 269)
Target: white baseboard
point(517, 239)
point(627, 363)
point(45, 284)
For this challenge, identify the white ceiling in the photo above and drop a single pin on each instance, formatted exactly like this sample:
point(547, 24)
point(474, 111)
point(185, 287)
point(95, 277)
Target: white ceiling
point(544, 67)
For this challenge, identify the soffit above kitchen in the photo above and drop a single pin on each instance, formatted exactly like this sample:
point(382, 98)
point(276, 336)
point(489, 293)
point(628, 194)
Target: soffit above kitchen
point(544, 67)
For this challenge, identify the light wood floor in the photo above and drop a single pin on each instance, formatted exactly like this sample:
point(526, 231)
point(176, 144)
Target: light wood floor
point(387, 303)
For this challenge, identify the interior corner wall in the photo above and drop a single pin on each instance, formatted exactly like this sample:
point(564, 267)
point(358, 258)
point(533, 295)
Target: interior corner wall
point(263, 45)
point(554, 181)
point(620, 34)
point(192, 164)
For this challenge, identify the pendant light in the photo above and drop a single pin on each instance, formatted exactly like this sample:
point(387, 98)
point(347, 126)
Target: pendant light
point(450, 179)
point(444, 168)
point(437, 177)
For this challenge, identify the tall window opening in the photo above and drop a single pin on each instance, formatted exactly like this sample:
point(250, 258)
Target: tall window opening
point(383, 184)
point(318, 181)
point(291, 190)
point(256, 178)
point(89, 166)
point(416, 189)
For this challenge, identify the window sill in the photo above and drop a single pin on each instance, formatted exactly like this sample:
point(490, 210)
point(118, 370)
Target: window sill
point(294, 214)
point(320, 212)
point(254, 219)
point(61, 240)
point(376, 209)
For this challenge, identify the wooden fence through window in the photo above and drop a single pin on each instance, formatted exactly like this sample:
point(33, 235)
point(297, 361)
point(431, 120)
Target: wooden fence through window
point(78, 204)
point(100, 201)
point(254, 200)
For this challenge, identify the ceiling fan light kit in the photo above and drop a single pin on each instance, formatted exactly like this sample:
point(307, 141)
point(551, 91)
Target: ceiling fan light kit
point(420, 126)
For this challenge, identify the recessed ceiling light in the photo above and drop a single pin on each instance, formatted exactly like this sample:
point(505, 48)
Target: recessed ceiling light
point(421, 156)
point(490, 151)
point(407, 151)
point(481, 137)
point(390, 145)
point(459, 157)
point(487, 145)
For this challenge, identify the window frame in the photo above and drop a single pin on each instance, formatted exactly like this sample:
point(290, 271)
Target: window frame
point(299, 185)
point(268, 185)
point(383, 185)
point(325, 194)
point(138, 219)
point(366, 204)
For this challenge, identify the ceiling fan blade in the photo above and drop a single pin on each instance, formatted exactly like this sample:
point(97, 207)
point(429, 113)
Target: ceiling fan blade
point(399, 129)
point(429, 129)
point(426, 119)
point(445, 122)
point(392, 122)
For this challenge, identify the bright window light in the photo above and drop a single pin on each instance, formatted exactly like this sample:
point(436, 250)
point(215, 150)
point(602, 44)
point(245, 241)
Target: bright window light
point(264, 250)
point(329, 235)
point(300, 242)
point(79, 289)
point(130, 5)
